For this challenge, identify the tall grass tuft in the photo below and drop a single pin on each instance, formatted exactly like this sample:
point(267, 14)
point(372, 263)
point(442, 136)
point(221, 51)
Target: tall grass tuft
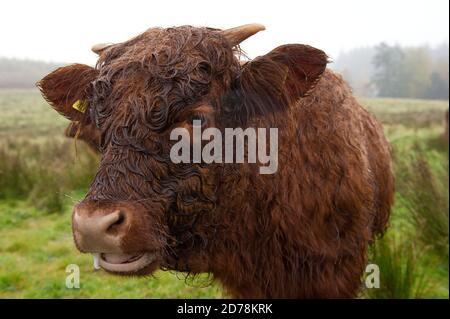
point(423, 191)
point(401, 274)
point(14, 181)
point(418, 238)
point(44, 173)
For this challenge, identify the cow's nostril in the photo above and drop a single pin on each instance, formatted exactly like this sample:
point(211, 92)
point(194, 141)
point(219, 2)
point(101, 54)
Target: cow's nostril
point(100, 231)
point(117, 223)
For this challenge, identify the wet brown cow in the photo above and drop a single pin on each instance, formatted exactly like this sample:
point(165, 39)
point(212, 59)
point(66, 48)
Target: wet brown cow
point(301, 232)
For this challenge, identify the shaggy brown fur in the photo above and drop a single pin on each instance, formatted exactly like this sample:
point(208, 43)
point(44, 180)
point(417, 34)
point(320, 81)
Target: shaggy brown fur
point(88, 133)
point(301, 232)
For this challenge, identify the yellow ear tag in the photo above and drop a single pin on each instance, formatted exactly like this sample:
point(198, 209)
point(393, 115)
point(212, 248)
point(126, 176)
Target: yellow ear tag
point(80, 106)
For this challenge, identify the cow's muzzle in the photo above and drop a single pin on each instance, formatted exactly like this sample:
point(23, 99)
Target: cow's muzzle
point(104, 230)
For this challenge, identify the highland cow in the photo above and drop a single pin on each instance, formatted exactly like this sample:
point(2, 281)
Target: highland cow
point(302, 232)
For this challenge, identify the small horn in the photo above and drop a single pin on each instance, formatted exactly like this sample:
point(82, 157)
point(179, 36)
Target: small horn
point(239, 34)
point(98, 48)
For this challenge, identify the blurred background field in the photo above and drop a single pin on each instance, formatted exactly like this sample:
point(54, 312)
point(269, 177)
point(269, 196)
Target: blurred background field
point(42, 174)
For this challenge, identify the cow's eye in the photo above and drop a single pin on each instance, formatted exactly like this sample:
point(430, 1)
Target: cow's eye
point(196, 117)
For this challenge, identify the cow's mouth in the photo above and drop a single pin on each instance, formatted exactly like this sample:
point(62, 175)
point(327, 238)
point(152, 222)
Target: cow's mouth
point(124, 263)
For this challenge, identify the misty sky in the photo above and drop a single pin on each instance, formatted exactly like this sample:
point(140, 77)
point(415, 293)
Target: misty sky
point(64, 31)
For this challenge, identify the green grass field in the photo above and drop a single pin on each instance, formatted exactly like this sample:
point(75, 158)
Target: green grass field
point(42, 174)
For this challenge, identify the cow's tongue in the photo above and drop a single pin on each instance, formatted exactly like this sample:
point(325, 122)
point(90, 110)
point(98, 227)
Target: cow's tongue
point(120, 258)
point(123, 263)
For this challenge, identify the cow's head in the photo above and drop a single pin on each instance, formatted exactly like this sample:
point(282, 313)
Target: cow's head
point(141, 211)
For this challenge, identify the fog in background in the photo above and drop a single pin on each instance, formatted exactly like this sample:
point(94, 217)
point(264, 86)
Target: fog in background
point(372, 43)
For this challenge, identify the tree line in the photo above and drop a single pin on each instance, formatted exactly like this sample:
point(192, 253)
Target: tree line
point(394, 71)
point(23, 74)
point(383, 70)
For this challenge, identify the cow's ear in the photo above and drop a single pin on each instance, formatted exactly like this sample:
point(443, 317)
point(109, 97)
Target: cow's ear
point(86, 132)
point(276, 80)
point(66, 89)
